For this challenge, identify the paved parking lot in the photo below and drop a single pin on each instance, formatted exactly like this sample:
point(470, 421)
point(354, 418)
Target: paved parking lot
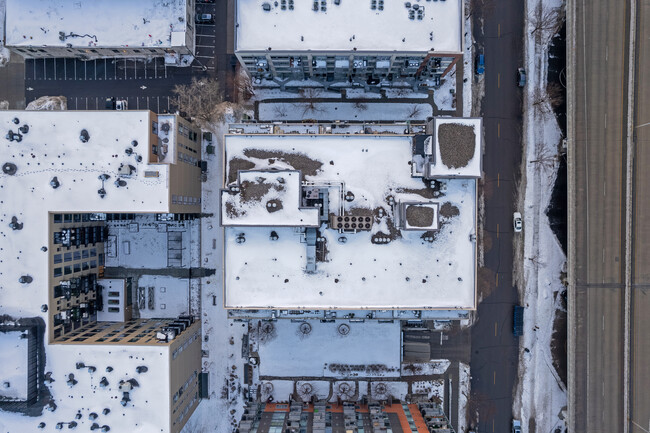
point(158, 104)
point(206, 36)
point(102, 69)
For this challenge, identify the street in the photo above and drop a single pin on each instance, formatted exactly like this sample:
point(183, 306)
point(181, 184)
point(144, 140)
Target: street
point(494, 348)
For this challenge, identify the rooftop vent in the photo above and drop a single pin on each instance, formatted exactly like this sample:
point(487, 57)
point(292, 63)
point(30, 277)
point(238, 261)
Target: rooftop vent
point(24, 129)
point(14, 224)
point(13, 136)
point(54, 183)
point(84, 136)
point(16, 120)
point(266, 7)
point(9, 168)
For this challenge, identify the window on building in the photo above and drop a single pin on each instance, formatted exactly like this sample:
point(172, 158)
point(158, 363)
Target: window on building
point(85, 266)
point(84, 254)
point(77, 218)
point(76, 255)
point(67, 218)
point(93, 264)
point(67, 270)
point(154, 127)
point(58, 258)
point(58, 218)
point(67, 257)
point(77, 267)
point(57, 272)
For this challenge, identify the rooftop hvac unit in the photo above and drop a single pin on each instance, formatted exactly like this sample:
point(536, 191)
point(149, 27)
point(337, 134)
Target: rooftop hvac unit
point(351, 223)
point(165, 127)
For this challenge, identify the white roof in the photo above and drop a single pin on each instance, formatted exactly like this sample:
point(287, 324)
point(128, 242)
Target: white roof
point(350, 25)
point(278, 202)
point(171, 296)
point(100, 23)
point(408, 272)
point(473, 166)
point(52, 148)
point(293, 353)
point(13, 365)
point(115, 286)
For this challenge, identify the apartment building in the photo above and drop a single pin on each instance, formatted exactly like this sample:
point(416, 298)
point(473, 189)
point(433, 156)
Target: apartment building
point(93, 29)
point(346, 417)
point(315, 222)
point(65, 175)
point(349, 43)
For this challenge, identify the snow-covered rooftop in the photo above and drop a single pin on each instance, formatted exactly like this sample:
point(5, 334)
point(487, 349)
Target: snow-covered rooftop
point(380, 267)
point(349, 25)
point(312, 348)
point(96, 23)
point(265, 198)
point(145, 413)
point(457, 148)
point(13, 366)
point(51, 148)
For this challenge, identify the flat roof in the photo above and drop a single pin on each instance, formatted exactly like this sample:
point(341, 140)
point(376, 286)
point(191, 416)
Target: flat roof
point(381, 268)
point(350, 25)
point(457, 147)
point(96, 23)
point(52, 148)
point(14, 362)
point(266, 198)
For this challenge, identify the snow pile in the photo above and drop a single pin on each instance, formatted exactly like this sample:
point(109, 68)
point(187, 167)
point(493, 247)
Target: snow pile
point(425, 368)
point(324, 350)
point(464, 393)
point(540, 393)
point(48, 103)
point(445, 96)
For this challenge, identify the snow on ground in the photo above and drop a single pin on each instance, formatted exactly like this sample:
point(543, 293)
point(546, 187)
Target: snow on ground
point(263, 93)
point(170, 296)
point(464, 390)
point(368, 111)
point(362, 94)
point(222, 338)
point(4, 52)
point(146, 23)
point(13, 366)
point(384, 390)
point(369, 349)
point(141, 415)
point(406, 92)
point(434, 389)
point(436, 366)
point(468, 64)
point(540, 394)
point(351, 25)
point(443, 96)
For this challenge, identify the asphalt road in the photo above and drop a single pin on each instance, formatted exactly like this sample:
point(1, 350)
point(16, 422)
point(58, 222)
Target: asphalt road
point(494, 348)
point(599, 118)
point(640, 368)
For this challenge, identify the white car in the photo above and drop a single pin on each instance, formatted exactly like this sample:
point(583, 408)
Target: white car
point(517, 222)
point(121, 104)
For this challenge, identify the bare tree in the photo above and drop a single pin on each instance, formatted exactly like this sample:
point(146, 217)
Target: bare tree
point(310, 97)
point(242, 85)
point(546, 99)
point(200, 99)
point(413, 111)
point(360, 105)
point(280, 111)
point(545, 158)
point(545, 22)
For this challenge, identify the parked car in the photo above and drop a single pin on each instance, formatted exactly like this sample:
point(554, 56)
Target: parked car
point(521, 77)
point(516, 426)
point(204, 18)
point(121, 105)
point(480, 64)
point(517, 222)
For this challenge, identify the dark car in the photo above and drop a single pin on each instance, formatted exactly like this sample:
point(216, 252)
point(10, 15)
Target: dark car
point(204, 19)
point(521, 77)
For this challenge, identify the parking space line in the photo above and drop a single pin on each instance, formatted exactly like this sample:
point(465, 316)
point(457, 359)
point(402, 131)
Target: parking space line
point(105, 67)
point(115, 68)
point(96, 103)
point(44, 70)
point(205, 57)
point(135, 69)
point(95, 69)
point(54, 68)
point(209, 36)
point(168, 104)
point(205, 46)
point(76, 103)
point(147, 103)
point(86, 103)
point(65, 69)
point(125, 69)
point(158, 99)
point(155, 67)
point(86, 72)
